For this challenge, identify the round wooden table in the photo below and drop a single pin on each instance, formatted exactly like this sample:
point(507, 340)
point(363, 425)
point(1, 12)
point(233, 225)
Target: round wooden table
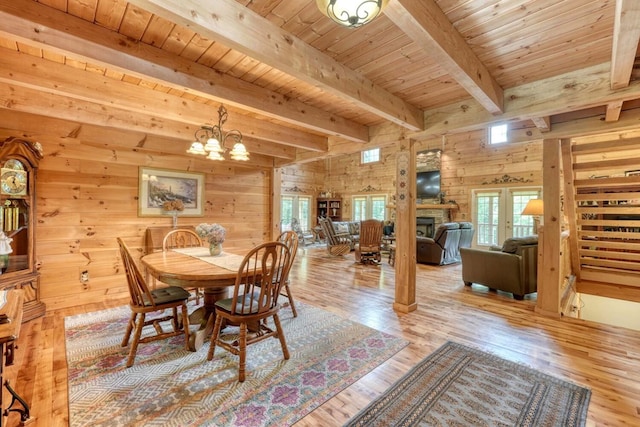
point(176, 269)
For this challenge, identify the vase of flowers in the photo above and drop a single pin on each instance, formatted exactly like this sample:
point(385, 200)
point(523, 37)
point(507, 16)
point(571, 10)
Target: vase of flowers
point(173, 207)
point(214, 234)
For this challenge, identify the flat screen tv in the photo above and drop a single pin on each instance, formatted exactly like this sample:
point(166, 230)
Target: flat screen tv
point(428, 185)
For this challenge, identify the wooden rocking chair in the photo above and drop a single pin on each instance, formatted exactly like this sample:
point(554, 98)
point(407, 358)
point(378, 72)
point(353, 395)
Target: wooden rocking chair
point(368, 249)
point(337, 244)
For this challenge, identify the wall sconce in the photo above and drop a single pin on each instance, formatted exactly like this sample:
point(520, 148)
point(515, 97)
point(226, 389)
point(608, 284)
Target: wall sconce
point(351, 13)
point(211, 141)
point(535, 208)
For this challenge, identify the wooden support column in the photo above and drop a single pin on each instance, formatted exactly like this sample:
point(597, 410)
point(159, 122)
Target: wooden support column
point(405, 228)
point(276, 193)
point(549, 271)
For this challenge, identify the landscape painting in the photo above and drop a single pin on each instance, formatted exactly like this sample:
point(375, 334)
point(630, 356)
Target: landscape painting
point(162, 190)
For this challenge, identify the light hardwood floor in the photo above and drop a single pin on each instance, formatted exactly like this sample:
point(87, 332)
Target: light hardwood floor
point(604, 358)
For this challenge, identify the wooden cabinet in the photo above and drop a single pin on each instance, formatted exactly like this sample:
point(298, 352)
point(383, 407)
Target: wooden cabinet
point(19, 161)
point(330, 207)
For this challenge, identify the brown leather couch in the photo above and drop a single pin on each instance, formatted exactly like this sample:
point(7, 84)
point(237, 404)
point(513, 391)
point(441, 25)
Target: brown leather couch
point(510, 268)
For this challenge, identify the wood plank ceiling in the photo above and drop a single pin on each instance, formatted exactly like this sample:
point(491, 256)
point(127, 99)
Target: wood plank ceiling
point(298, 86)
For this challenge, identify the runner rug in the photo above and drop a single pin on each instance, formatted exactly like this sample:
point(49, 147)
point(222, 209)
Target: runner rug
point(170, 386)
point(461, 386)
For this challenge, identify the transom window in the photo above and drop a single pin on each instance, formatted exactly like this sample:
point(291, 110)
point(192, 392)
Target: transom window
point(370, 156)
point(498, 134)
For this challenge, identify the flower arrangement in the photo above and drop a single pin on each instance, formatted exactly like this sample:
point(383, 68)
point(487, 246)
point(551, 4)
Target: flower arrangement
point(173, 205)
point(213, 233)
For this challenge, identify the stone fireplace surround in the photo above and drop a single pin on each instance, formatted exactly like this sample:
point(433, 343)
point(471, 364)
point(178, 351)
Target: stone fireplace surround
point(438, 216)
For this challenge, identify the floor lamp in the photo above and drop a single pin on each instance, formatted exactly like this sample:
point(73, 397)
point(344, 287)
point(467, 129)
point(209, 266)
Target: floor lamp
point(535, 208)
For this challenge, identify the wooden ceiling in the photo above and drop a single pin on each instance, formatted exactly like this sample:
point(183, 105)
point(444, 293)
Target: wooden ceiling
point(299, 87)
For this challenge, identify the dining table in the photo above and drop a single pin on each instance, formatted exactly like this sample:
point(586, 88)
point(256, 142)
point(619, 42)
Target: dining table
point(195, 267)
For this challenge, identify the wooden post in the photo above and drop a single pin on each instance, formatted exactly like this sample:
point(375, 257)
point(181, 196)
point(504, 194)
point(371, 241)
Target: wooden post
point(549, 271)
point(276, 193)
point(405, 228)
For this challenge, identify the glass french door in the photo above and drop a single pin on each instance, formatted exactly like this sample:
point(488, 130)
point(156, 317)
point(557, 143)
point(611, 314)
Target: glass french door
point(295, 207)
point(497, 214)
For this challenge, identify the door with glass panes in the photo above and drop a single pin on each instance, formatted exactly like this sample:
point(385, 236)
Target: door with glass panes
point(497, 214)
point(298, 207)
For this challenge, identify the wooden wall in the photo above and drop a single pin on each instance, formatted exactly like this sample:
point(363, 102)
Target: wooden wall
point(468, 162)
point(88, 196)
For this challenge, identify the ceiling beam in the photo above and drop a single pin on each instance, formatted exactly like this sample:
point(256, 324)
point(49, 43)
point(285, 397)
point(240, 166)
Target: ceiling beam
point(613, 111)
point(33, 101)
point(47, 28)
point(241, 29)
point(542, 123)
point(626, 33)
point(585, 88)
point(59, 79)
point(426, 24)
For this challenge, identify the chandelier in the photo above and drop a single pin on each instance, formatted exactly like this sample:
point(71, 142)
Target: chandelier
point(211, 141)
point(352, 13)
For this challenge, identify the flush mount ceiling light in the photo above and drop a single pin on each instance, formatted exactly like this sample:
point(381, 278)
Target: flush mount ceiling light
point(211, 141)
point(352, 13)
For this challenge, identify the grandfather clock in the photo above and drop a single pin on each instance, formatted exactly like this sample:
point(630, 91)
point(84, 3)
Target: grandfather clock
point(19, 161)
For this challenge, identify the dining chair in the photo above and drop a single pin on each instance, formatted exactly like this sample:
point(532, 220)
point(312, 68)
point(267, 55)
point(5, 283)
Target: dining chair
point(144, 301)
point(290, 238)
point(258, 282)
point(183, 238)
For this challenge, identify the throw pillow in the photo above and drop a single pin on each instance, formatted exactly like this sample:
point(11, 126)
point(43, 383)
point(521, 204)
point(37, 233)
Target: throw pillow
point(341, 227)
point(354, 228)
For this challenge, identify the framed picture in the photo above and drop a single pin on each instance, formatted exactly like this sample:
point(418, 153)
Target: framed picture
point(632, 173)
point(157, 186)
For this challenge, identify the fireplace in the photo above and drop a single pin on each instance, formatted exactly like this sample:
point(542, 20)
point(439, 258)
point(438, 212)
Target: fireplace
point(425, 226)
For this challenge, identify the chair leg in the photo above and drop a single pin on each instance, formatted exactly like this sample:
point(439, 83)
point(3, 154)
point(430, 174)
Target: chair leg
point(214, 336)
point(242, 351)
point(293, 306)
point(283, 342)
point(130, 325)
point(136, 340)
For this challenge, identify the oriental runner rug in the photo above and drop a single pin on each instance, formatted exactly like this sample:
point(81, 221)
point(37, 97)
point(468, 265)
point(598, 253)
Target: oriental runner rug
point(462, 386)
point(170, 386)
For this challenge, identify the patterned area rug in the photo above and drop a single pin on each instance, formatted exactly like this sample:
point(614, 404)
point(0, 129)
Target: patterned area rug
point(169, 386)
point(461, 386)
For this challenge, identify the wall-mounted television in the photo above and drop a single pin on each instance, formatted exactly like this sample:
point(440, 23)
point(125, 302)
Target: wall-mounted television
point(428, 185)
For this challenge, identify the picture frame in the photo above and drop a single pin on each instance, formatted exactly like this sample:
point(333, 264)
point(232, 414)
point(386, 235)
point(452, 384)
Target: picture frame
point(155, 186)
point(632, 173)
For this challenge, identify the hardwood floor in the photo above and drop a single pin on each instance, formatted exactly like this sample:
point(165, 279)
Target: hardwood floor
point(604, 358)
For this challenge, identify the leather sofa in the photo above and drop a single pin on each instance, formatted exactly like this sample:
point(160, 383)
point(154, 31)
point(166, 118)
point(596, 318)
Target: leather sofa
point(510, 268)
point(443, 248)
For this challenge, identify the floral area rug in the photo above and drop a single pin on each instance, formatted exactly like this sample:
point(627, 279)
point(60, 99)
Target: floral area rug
point(170, 386)
point(461, 386)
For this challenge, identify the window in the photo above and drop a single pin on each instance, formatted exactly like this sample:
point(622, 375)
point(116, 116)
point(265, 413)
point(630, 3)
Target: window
point(497, 214)
point(367, 207)
point(370, 156)
point(498, 134)
point(295, 207)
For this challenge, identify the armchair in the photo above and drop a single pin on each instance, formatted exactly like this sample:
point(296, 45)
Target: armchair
point(443, 248)
point(511, 268)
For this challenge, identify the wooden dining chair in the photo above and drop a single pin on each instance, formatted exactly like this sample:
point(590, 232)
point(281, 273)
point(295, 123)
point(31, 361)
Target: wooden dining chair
point(261, 275)
point(183, 238)
point(290, 238)
point(145, 301)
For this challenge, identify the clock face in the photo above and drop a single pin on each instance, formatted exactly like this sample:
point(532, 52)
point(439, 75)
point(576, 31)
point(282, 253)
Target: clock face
point(13, 182)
